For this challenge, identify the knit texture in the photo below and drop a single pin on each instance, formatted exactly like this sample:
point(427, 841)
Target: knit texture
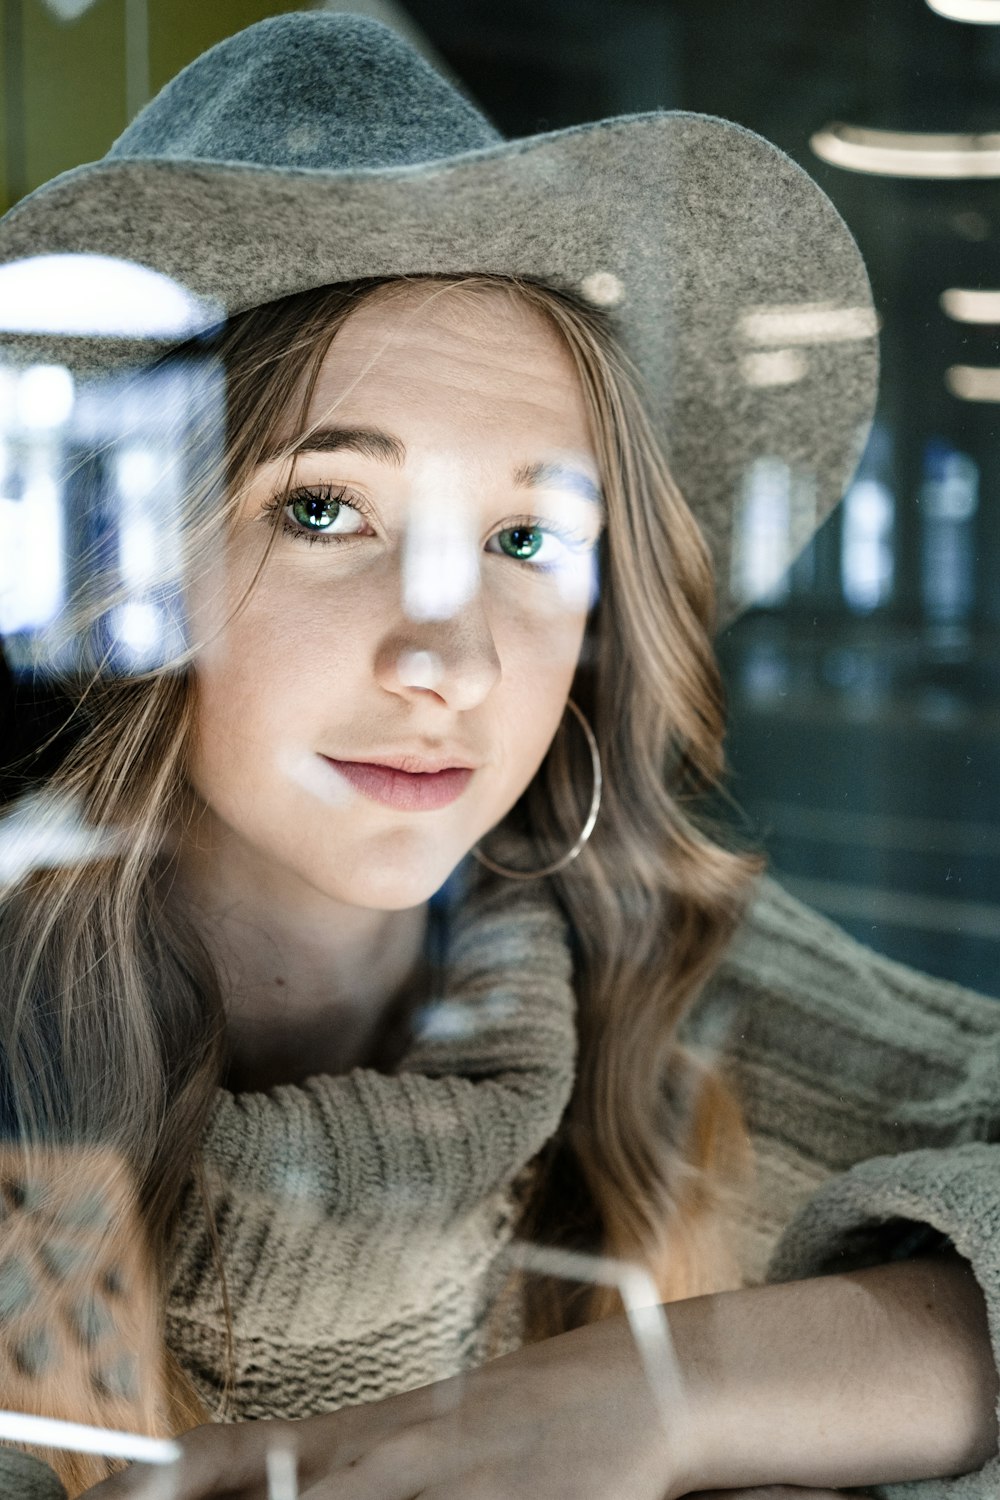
point(361, 1216)
point(872, 1098)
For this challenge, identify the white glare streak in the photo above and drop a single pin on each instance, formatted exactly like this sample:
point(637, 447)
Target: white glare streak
point(41, 833)
point(973, 382)
point(896, 153)
point(643, 1308)
point(98, 294)
point(774, 367)
point(136, 470)
point(31, 558)
point(137, 551)
point(576, 579)
point(603, 289)
point(979, 12)
point(282, 1473)
point(314, 776)
point(866, 558)
point(138, 626)
point(419, 669)
point(762, 540)
point(149, 548)
point(970, 306)
point(47, 1432)
point(807, 323)
point(45, 396)
point(441, 554)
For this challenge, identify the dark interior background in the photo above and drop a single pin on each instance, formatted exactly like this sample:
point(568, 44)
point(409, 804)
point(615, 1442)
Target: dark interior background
point(864, 696)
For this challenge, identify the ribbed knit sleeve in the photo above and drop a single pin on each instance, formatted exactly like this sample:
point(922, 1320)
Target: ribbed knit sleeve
point(896, 1206)
point(889, 1082)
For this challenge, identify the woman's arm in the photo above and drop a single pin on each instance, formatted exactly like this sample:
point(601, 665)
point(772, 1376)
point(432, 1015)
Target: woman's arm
point(876, 1375)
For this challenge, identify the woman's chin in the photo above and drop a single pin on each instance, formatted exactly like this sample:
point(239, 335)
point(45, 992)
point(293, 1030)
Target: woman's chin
point(395, 879)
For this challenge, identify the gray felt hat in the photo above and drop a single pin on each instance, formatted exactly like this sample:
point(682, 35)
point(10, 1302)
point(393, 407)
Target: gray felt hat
point(318, 147)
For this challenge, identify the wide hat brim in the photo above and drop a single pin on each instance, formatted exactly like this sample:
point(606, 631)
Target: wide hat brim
point(732, 283)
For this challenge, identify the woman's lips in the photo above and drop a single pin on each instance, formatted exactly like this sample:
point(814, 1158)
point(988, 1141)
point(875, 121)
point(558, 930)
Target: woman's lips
point(410, 791)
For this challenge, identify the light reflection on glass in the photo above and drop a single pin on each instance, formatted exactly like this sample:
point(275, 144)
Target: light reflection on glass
point(866, 554)
point(441, 551)
point(77, 1437)
point(774, 367)
point(98, 296)
point(763, 530)
point(899, 153)
point(807, 323)
point(643, 1308)
point(765, 672)
point(96, 478)
point(32, 575)
point(282, 1473)
point(973, 382)
point(949, 498)
point(41, 832)
point(970, 305)
point(419, 669)
point(978, 12)
point(44, 396)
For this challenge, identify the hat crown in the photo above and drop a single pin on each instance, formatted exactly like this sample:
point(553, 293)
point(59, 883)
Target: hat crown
point(317, 89)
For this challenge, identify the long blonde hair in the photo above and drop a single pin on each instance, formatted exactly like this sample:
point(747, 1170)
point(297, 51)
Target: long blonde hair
point(111, 1011)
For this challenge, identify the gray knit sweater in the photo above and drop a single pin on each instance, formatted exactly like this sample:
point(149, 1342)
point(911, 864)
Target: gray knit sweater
point(361, 1217)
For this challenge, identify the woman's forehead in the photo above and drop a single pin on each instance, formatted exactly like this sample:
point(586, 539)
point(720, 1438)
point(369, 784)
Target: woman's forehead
point(431, 353)
point(484, 328)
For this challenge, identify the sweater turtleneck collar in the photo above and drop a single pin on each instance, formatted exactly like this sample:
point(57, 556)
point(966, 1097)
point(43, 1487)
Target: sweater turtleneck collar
point(356, 1202)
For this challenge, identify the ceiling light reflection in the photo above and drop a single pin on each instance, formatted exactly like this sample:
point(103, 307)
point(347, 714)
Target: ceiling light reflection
point(967, 306)
point(897, 153)
point(979, 12)
point(44, 398)
point(774, 367)
point(98, 295)
point(973, 382)
point(807, 323)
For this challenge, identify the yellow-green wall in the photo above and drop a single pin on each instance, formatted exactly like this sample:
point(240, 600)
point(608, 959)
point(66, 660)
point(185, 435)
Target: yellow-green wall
point(72, 74)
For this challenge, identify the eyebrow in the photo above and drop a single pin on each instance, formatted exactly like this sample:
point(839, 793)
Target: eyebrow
point(368, 441)
point(372, 442)
point(565, 476)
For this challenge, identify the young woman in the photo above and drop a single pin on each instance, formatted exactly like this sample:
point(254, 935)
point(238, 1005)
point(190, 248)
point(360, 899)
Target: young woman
point(452, 606)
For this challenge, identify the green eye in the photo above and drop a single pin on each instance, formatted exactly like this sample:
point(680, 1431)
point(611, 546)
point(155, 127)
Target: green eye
point(522, 542)
point(314, 513)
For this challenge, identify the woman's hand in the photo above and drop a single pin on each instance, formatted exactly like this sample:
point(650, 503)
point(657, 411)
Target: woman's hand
point(851, 1379)
point(568, 1419)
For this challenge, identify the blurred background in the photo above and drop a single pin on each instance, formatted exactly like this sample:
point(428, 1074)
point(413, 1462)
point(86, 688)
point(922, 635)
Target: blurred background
point(865, 693)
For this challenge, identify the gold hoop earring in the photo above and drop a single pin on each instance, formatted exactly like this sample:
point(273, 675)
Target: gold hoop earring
point(586, 831)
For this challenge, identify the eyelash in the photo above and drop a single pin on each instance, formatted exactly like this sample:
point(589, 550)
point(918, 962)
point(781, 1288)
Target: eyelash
point(574, 541)
point(326, 494)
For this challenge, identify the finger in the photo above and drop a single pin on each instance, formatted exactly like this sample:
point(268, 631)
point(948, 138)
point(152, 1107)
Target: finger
point(218, 1461)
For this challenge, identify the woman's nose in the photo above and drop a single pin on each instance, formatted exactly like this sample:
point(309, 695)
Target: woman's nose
point(454, 659)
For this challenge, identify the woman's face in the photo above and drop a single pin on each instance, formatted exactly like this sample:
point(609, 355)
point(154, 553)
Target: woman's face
point(422, 607)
